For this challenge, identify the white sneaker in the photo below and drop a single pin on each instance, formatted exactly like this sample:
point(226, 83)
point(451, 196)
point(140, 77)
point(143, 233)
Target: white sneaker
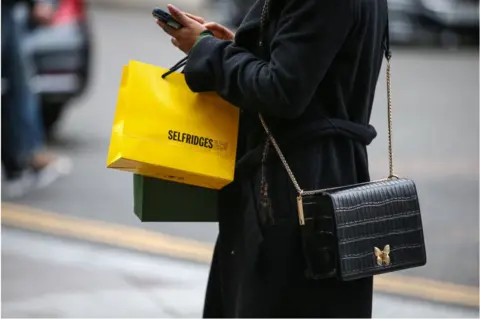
point(61, 166)
point(31, 180)
point(18, 187)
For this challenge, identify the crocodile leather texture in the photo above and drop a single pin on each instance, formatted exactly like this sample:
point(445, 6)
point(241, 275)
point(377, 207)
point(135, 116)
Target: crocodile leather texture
point(363, 230)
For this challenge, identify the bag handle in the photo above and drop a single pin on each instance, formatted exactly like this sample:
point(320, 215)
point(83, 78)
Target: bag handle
point(300, 191)
point(177, 66)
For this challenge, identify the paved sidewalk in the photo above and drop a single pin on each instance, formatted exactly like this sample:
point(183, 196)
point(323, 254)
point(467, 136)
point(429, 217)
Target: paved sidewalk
point(44, 276)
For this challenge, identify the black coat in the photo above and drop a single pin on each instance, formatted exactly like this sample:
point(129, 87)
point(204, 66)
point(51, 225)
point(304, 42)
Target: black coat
point(314, 79)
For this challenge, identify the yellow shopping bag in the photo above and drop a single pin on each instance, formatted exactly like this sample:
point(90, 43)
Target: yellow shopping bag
point(162, 129)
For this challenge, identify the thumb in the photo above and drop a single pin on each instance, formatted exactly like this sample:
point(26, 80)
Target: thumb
point(220, 31)
point(178, 15)
point(211, 25)
point(214, 27)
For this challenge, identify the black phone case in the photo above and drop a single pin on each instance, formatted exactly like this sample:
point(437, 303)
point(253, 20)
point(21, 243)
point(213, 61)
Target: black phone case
point(166, 18)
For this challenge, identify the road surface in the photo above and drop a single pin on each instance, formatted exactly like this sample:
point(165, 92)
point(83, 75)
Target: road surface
point(78, 280)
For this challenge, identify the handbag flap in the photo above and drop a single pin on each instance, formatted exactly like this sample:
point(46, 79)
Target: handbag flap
point(378, 228)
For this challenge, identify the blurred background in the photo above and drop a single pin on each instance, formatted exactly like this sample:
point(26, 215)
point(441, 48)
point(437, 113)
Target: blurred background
point(71, 244)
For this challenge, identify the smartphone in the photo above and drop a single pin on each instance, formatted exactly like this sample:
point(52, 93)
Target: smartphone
point(166, 18)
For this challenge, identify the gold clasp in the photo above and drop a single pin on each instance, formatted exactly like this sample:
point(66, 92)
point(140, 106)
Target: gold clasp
point(382, 255)
point(301, 216)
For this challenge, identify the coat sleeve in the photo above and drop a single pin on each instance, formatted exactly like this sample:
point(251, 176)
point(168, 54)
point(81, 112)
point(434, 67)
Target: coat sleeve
point(309, 35)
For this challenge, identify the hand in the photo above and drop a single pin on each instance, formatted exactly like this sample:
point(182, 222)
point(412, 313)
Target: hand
point(43, 12)
point(196, 18)
point(184, 38)
point(219, 31)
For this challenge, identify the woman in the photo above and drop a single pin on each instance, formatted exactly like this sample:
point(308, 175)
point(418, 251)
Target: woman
point(311, 68)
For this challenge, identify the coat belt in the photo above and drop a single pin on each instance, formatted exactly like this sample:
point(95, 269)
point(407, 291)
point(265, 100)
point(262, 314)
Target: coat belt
point(287, 137)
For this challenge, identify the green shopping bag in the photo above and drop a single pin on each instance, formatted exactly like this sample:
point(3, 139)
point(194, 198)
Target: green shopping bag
point(157, 200)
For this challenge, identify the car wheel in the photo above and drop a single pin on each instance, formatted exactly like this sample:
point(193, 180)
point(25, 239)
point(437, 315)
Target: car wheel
point(51, 113)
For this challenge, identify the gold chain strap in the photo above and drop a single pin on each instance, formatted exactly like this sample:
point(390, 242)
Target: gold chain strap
point(263, 20)
point(390, 129)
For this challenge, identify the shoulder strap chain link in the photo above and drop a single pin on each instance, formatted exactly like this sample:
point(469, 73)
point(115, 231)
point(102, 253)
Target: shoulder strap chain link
point(263, 20)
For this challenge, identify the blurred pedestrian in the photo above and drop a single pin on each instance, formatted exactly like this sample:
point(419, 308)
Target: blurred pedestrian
point(311, 68)
point(25, 162)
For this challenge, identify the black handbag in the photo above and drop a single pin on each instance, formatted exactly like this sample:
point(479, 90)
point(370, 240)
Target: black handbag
point(360, 230)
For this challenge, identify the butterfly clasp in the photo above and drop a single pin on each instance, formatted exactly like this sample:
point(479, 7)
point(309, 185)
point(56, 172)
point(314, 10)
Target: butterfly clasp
point(382, 255)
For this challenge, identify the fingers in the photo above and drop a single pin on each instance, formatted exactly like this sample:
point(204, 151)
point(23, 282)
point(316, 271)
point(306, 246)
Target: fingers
point(166, 28)
point(215, 28)
point(196, 18)
point(220, 31)
point(179, 15)
point(161, 24)
point(212, 26)
point(175, 42)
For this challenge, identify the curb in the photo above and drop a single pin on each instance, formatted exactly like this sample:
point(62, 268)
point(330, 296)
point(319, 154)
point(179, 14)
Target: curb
point(149, 4)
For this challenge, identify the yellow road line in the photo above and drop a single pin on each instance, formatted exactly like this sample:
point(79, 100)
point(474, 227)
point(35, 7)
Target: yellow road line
point(106, 233)
point(428, 289)
point(157, 243)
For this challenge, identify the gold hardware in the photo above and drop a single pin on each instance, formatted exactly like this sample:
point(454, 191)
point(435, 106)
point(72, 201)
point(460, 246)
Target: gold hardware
point(301, 216)
point(383, 256)
point(389, 119)
point(263, 21)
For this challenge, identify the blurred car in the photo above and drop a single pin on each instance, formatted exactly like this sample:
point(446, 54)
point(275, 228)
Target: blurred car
point(444, 22)
point(62, 57)
point(448, 23)
point(404, 26)
point(455, 21)
point(61, 53)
